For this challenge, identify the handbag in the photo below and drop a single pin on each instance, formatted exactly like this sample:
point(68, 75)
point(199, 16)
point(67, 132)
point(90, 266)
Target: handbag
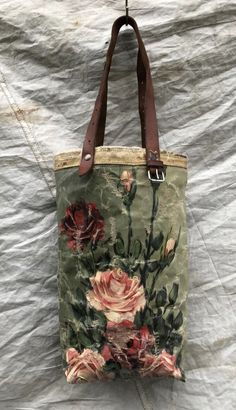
point(122, 240)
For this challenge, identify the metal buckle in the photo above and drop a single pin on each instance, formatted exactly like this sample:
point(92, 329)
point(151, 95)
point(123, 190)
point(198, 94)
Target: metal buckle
point(159, 176)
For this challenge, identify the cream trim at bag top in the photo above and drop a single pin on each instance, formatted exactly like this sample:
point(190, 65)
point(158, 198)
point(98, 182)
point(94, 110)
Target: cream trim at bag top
point(123, 263)
point(117, 155)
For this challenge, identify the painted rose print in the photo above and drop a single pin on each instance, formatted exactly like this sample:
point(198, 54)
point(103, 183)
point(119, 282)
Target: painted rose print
point(127, 346)
point(134, 340)
point(117, 295)
point(161, 365)
point(122, 316)
point(82, 223)
point(169, 246)
point(85, 366)
point(127, 180)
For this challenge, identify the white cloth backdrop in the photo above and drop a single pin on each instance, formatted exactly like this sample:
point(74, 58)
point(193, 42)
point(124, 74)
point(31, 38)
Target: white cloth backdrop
point(51, 59)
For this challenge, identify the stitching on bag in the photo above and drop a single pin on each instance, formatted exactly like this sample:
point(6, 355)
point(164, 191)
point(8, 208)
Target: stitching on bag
point(27, 131)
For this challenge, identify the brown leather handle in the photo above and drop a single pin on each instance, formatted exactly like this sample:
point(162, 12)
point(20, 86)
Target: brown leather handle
point(96, 127)
point(141, 74)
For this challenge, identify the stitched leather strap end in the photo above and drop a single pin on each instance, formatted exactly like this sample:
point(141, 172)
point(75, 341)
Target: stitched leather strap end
point(86, 164)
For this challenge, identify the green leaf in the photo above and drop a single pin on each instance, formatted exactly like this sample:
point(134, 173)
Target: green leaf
point(157, 241)
point(159, 324)
point(173, 293)
point(162, 264)
point(153, 265)
point(87, 321)
point(163, 340)
point(170, 318)
point(119, 247)
point(91, 314)
point(175, 339)
point(96, 335)
point(169, 347)
point(104, 262)
point(86, 264)
point(179, 359)
point(138, 320)
point(80, 296)
point(136, 248)
point(83, 339)
point(161, 297)
point(83, 284)
point(169, 258)
point(148, 320)
point(152, 296)
point(127, 200)
point(178, 321)
point(102, 320)
point(111, 366)
point(78, 311)
point(71, 335)
point(133, 190)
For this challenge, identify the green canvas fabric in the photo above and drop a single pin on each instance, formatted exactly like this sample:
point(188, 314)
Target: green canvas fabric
point(123, 272)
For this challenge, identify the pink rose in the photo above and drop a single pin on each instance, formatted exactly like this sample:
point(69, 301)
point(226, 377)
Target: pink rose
point(170, 244)
point(85, 366)
point(117, 295)
point(162, 365)
point(127, 180)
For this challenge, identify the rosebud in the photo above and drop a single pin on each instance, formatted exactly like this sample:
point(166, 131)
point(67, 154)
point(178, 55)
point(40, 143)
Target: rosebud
point(127, 180)
point(169, 246)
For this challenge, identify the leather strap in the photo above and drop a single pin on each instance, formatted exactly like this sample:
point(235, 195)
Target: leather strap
point(95, 131)
point(141, 74)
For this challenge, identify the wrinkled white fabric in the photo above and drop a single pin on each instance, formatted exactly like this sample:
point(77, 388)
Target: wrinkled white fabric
point(52, 56)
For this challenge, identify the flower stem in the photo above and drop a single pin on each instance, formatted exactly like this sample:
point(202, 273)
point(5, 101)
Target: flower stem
point(150, 237)
point(154, 281)
point(93, 259)
point(129, 230)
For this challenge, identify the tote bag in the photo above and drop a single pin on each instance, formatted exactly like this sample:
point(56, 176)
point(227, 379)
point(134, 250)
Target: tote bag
point(122, 277)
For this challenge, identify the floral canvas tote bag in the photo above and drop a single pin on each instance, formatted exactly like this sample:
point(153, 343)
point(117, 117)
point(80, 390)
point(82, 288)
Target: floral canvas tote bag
point(122, 277)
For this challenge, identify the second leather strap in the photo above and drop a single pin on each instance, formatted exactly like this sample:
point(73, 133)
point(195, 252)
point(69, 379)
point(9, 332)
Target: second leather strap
point(96, 128)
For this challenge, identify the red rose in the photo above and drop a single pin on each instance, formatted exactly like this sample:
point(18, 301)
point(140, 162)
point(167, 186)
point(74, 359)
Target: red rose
point(82, 223)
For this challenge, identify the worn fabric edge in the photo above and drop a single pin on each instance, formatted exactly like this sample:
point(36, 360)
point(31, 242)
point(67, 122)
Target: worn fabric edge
point(116, 155)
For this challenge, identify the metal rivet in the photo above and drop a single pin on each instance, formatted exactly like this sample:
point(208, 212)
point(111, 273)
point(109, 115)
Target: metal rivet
point(87, 157)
